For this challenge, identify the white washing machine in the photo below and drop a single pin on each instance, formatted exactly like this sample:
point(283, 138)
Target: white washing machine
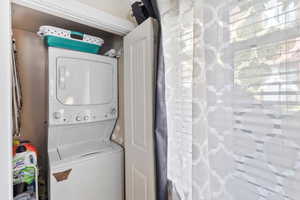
point(84, 164)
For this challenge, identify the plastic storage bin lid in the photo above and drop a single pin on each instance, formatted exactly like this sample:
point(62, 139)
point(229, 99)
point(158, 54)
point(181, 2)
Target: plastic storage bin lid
point(68, 34)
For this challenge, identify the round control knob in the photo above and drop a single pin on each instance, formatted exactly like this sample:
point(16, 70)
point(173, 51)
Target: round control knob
point(86, 118)
point(78, 118)
point(57, 115)
point(113, 111)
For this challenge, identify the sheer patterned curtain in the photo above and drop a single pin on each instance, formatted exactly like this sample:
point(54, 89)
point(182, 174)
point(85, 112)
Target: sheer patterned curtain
point(233, 98)
point(177, 33)
point(251, 54)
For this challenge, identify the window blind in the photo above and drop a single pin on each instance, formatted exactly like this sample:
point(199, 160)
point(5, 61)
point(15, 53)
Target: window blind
point(265, 44)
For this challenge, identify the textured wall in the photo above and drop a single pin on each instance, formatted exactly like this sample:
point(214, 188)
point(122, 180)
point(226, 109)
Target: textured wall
point(118, 134)
point(31, 63)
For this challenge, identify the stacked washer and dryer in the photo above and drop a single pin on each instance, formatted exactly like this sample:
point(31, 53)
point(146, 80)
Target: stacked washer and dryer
point(82, 111)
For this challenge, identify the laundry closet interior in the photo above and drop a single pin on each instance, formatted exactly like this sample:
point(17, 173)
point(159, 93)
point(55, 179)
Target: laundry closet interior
point(74, 107)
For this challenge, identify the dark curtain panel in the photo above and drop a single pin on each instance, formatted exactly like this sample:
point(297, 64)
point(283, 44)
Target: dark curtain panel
point(161, 134)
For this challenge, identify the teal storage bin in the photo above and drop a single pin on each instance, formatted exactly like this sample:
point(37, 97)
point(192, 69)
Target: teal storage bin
point(53, 41)
point(66, 39)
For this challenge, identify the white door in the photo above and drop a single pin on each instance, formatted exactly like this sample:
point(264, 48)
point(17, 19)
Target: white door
point(139, 82)
point(5, 102)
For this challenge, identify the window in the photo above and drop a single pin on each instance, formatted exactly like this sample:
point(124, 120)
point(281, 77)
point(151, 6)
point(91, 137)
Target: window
point(265, 41)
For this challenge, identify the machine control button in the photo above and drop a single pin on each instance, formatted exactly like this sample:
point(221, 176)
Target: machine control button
point(86, 118)
point(78, 118)
point(57, 115)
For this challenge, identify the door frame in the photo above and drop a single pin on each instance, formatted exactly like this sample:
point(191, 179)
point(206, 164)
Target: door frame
point(6, 191)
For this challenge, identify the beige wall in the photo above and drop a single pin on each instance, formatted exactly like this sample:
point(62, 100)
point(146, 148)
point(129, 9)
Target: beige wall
point(119, 8)
point(118, 134)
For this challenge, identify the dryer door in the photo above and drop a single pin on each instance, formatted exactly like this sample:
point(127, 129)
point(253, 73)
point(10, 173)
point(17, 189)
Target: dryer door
point(84, 82)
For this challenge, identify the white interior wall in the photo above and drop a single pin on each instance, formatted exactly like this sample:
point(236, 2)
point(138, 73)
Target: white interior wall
point(118, 8)
point(5, 101)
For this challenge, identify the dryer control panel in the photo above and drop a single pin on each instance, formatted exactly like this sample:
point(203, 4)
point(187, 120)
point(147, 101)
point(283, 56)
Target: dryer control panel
point(82, 87)
point(76, 117)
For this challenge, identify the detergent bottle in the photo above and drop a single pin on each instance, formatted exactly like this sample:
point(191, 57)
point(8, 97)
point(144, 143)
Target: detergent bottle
point(25, 170)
